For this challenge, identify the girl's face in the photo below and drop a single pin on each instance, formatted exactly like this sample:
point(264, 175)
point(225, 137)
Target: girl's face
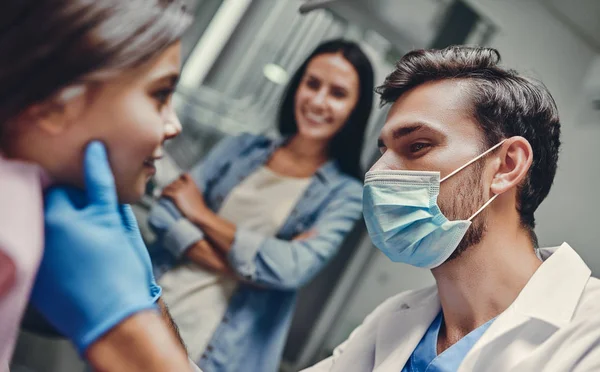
point(326, 97)
point(131, 114)
point(134, 116)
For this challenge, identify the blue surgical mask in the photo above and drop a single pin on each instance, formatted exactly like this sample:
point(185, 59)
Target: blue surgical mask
point(403, 218)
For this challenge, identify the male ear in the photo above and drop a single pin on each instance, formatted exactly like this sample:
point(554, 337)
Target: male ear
point(58, 113)
point(516, 157)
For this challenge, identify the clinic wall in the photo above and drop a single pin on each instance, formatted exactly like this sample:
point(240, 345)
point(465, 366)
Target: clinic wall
point(532, 41)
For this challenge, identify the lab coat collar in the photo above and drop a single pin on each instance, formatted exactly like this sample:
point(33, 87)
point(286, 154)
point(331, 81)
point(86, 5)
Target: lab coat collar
point(417, 311)
point(551, 295)
point(554, 290)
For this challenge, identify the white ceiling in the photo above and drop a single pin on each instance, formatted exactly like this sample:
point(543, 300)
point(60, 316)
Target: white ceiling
point(408, 24)
point(582, 16)
point(415, 19)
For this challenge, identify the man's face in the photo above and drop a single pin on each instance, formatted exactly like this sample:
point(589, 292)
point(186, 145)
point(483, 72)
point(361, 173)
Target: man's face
point(430, 128)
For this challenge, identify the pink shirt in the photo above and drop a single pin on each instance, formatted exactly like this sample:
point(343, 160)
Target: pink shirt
point(21, 245)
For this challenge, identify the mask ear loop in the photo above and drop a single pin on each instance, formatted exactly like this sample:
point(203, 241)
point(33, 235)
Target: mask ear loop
point(471, 162)
point(474, 160)
point(483, 207)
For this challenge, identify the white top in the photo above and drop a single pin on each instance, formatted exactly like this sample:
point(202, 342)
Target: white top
point(21, 245)
point(553, 325)
point(197, 298)
point(263, 201)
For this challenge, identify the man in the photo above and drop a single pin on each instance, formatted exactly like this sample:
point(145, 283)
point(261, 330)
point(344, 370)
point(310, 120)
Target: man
point(487, 140)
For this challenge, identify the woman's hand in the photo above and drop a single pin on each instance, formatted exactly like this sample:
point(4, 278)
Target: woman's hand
point(306, 235)
point(187, 197)
point(205, 255)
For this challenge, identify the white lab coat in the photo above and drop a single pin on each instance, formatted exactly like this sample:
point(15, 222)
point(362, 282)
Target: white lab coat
point(195, 368)
point(553, 325)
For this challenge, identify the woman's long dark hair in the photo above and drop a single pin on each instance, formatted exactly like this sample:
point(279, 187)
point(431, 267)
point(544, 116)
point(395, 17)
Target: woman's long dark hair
point(347, 144)
point(47, 45)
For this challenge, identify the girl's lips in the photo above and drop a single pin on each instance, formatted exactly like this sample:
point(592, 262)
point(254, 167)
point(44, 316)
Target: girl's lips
point(150, 163)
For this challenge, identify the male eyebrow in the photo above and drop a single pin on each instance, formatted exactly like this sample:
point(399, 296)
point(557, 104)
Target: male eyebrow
point(402, 132)
point(406, 130)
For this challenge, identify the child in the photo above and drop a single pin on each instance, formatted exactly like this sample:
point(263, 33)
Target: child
point(78, 71)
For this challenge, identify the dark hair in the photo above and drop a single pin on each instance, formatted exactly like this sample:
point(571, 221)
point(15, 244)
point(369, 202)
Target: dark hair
point(347, 144)
point(504, 103)
point(47, 45)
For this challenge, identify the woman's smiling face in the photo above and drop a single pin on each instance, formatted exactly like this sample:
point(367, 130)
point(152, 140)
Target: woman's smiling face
point(326, 97)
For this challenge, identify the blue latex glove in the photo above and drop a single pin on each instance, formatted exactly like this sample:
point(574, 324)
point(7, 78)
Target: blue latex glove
point(95, 270)
point(135, 237)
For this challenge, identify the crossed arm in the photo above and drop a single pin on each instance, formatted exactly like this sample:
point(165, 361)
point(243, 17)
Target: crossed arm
point(186, 226)
point(212, 251)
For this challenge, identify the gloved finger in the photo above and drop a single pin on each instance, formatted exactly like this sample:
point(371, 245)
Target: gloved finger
point(58, 202)
point(77, 197)
point(99, 180)
point(155, 290)
point(131, 226)
point(128, 217)
point(143, 254)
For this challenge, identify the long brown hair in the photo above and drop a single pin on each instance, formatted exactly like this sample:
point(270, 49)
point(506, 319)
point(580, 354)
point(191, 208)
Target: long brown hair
point(47, 45)
point(346, 146)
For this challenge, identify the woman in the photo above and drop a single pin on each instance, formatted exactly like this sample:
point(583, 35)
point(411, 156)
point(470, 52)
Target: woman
point(81, 71)
point(258, 218)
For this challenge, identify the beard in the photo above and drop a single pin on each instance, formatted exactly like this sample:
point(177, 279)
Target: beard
point(465, 198)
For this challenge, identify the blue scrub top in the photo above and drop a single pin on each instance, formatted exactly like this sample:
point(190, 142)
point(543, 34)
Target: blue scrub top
point(425, 359)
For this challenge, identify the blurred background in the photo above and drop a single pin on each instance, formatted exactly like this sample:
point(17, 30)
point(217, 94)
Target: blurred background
point(238, 57)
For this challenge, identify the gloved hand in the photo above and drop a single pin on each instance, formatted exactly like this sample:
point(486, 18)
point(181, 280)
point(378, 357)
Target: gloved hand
point(94, 274)
point(135, 237)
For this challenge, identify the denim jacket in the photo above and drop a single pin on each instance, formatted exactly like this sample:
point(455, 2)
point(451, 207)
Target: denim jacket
point(253, 331)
